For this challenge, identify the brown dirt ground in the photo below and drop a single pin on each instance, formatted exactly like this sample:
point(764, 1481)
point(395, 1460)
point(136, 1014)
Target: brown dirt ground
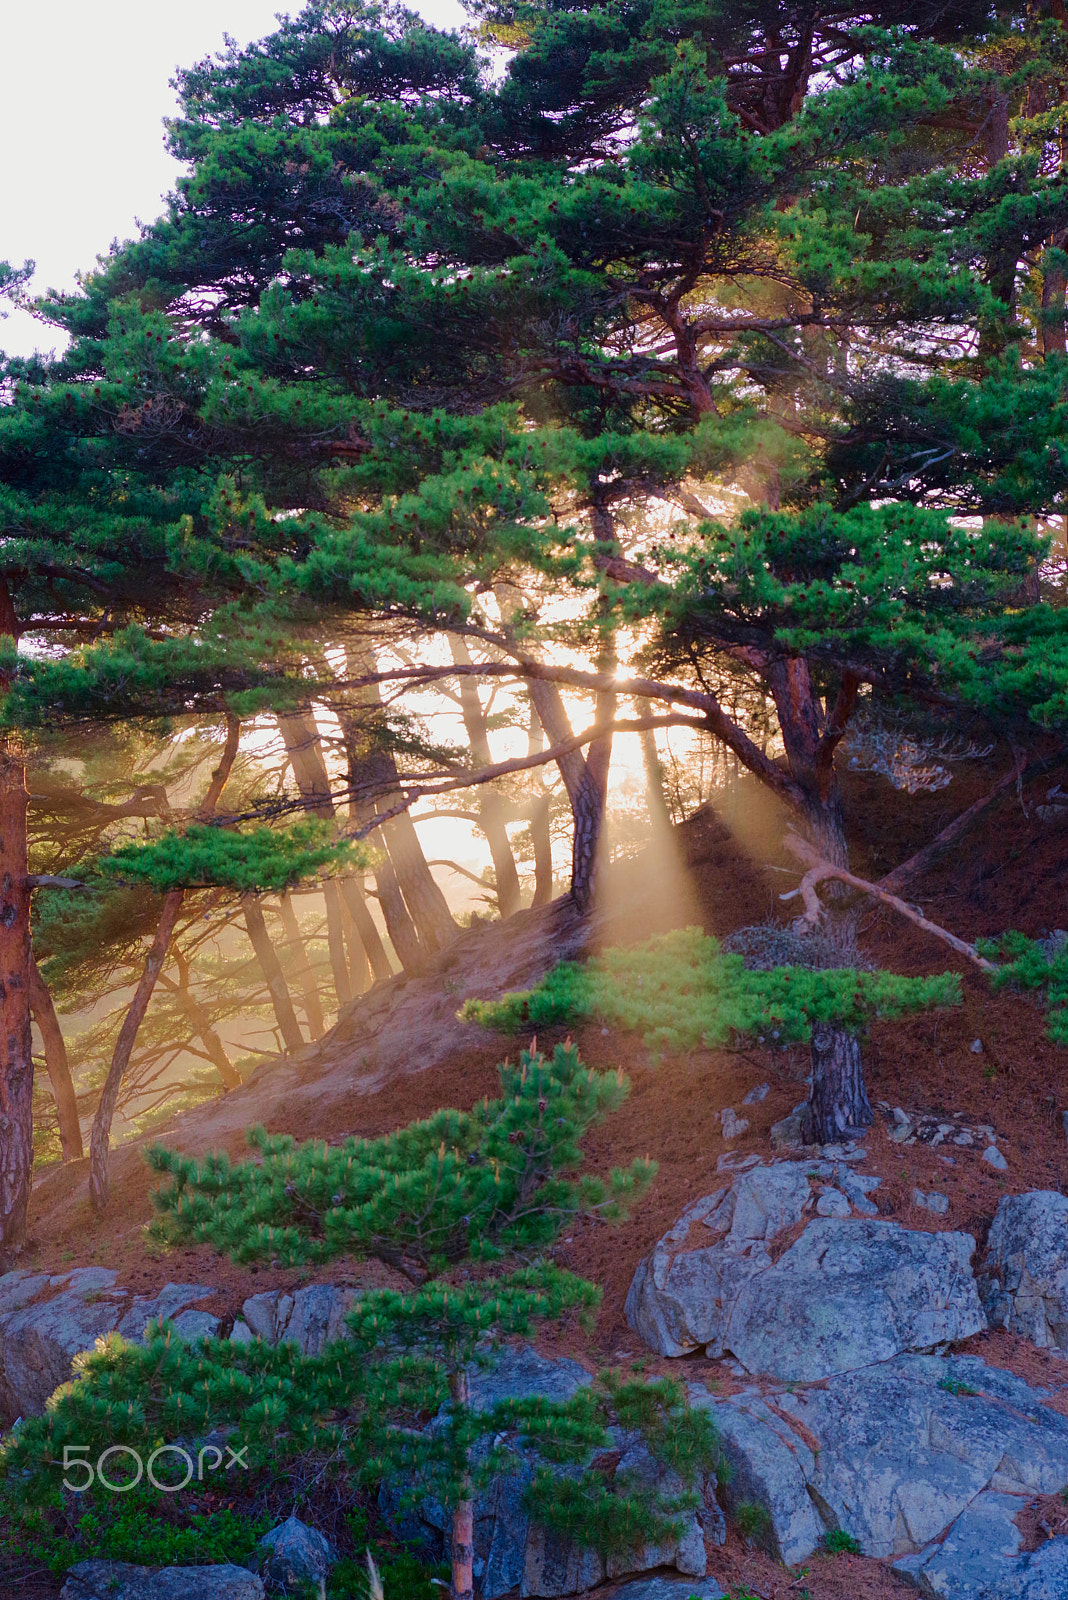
point(1010, 871)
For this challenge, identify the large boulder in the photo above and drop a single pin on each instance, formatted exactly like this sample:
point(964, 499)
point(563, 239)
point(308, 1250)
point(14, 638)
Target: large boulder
point(118, 1580)
point(46, 1321)
point(924, 1460)
point(513, 1552)
point(1024, 1280)
point(848, 1292)
point(852, 1292)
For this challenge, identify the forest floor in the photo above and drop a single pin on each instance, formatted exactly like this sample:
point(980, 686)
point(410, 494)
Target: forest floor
point(1009, 871)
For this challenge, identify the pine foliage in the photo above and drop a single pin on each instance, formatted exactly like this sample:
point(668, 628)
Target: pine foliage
point(209, 856)
point(681, 989)
point(478, 1183)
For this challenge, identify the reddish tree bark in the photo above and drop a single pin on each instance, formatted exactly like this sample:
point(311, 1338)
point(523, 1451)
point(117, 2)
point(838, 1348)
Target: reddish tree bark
point(57, 1065)
point(16, 1042)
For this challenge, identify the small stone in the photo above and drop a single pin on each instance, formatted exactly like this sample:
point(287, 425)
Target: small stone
point(976, 1047)
point(919, 1199)
point(964, 1139)
point(241, 1333)
point(786, 1134)
point(296, 1555)
point(733, 1126)
point(901, 1118)
point(949, 1161)
point(1064, 1123)
point(994, 1158)
point(832, 1204)
point(755, 1096)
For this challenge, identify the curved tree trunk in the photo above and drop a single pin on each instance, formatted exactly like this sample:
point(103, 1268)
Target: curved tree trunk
point(57, 1065)
point(838, 1106)
point(16, 1038)
point(365, 926)
point(100, 1138)
point(201, 1021)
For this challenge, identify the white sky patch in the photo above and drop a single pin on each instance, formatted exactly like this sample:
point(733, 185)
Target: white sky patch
point(83, 94)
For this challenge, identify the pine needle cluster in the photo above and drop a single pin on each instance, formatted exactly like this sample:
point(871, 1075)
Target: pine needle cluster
point(682, 989)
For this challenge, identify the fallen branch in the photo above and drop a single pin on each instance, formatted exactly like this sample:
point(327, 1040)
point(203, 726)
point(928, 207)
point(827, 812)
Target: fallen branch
point(818, 870)
point(949, 835)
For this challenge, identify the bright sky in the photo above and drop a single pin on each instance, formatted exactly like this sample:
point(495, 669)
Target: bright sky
point(83, 92)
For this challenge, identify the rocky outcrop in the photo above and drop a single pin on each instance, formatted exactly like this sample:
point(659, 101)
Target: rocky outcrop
point(514, 1553)
point(924, 1460)
point(848, 1292)
point(309, 1318)
point(118, 1580)
point(1024, 1280)
point(46, 1321)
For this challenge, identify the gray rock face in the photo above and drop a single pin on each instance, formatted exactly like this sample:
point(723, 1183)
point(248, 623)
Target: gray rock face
point(117, 1580)
point(847, 1293)
point(669, 1589)
point(46, 1321)
point(295, 1555)
point(924, 1460)
point(511, 1551)
point(850, 1293)
point(310, 1318)
point(1024, 1280)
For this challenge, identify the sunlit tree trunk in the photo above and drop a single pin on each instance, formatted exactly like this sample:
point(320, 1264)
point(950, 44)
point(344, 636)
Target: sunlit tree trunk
point(304, 749)
point(57, 1065)
point(277, 988)
point(100, 1138)
point(201, 1021)
point(540, 822)
point(308, 987)
point(492, 807)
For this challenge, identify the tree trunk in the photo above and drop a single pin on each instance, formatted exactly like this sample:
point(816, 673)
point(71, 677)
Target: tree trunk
point(540, 829)
point(365, 927)
point(308, 986)
point(272, 970)
point(588, 805)
point(101, 1135)
point(463, 1516)
point(201, 1022)
point(659, 815)
point(491, 805)
point(305, 752)
point(838, 1105)
point(55, 1054)
point(16, 1037)
point(1054, 283)
point(100, 1138)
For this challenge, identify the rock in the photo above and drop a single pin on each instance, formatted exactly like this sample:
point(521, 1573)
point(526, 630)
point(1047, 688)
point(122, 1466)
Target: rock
point(786, 1133)
point(1024, 1281)
point(833, 1204)
point(733, 1126)
point(994, 1158)
point(923, 1460)
point(678, 1302)
point(310, 1318)
point(755, 1096)
point(40, 1333)
point(938, 1203)
point(850, 1293)
point(659, 1588)
point(118, 1580)
point(976, 1047)
point(294, 1554)
point(856, 1189)
point(765, 1471)
point(241, 1333)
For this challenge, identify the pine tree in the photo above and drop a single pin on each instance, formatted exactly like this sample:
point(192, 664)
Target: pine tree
point(484, 1187)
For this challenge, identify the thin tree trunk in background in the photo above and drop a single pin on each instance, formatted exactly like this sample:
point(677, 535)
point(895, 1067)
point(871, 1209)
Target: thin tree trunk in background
point(491, 805)
point(105, 1112)
point(463, 1516)
point(659, 815)
point(359, 964)
point(100, 1138)
point(277, 987)
point(839, 1103)
point(305, 752)
point(16, 1036)
point(540, 831)
point(416, 913)
point(55, 1054)
point(589, 806)
point(201, 1021)
point(302, 965)
point(365, 927)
